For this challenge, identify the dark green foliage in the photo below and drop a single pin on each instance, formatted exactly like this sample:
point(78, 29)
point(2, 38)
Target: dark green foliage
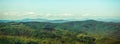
point(32, 42)
point(4, 41)
point(87, 40)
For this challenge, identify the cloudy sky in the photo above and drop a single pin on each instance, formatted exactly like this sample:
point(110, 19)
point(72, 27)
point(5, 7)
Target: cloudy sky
point(60, 9)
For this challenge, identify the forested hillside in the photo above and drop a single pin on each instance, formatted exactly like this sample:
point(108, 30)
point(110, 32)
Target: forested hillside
point(73, 32)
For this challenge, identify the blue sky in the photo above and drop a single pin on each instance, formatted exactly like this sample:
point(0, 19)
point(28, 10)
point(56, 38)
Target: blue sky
point(60, 9)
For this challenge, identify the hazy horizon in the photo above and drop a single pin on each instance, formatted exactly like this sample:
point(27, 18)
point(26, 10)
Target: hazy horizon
point(60, 9)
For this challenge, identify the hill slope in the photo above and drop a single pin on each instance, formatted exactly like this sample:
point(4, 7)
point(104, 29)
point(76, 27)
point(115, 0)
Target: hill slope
point(73, 32)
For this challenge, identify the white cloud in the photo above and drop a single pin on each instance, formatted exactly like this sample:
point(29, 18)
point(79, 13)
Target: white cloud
point(66, 15)
point(31, 13)
point(13, 15)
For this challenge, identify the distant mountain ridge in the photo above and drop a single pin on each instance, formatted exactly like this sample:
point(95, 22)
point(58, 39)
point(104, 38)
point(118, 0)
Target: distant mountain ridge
point(46, 20)
point(35, 20)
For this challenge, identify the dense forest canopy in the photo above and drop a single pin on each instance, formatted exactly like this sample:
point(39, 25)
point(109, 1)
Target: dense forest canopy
point(74, 32)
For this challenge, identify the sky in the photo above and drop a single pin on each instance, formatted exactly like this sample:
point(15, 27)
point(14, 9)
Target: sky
point(60, 9)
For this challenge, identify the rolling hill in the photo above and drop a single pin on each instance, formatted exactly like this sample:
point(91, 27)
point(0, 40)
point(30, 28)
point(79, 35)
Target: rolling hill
point(59, 32)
